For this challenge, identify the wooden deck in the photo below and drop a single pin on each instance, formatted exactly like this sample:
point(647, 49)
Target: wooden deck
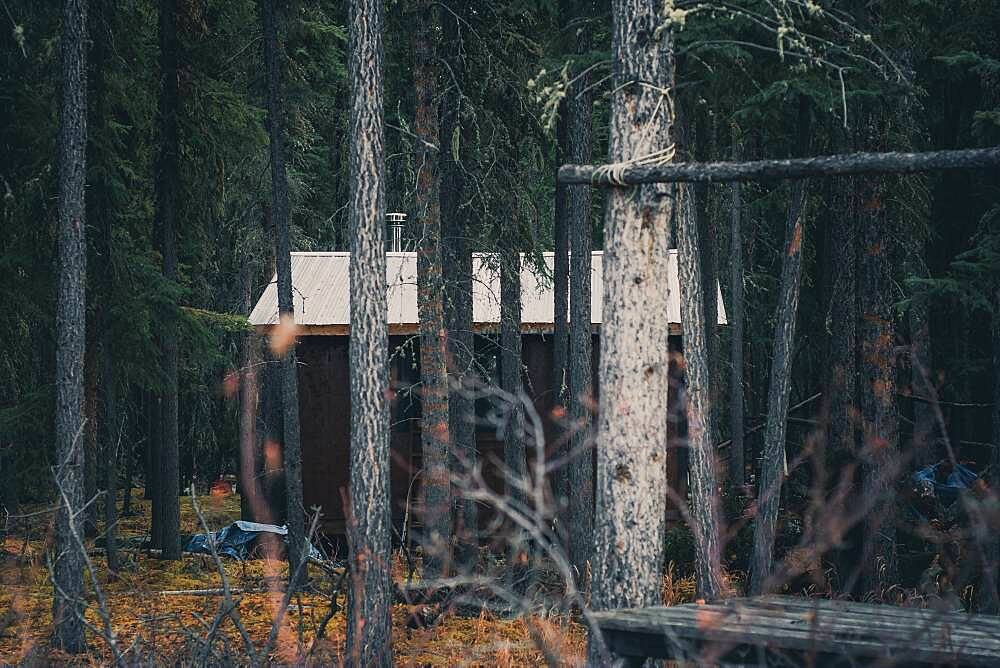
point(784, 630)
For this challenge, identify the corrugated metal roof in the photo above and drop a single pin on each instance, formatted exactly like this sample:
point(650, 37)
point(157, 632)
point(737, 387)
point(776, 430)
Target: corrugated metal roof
point(321, 284)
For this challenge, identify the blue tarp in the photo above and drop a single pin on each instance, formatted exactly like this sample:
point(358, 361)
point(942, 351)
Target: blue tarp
point(237, 539)
point(960, 478)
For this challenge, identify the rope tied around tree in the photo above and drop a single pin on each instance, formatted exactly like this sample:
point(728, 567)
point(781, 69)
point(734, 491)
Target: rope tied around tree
point(614, 173)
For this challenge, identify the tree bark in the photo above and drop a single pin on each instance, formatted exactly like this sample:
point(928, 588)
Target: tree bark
point(702, 472)
point(92, 427)
point(457, 277)
point(581, 399)
point(153, 477)
point(510, 364)
point(630, 496)
point(167, 191)
point(100, 208)
point(560, 296)
point(737, 454)
point(795, 168)
point(989, 595)
point(369, 597)
point(434, 432)
point(921, 374)
point(67, 574)
point(773, 464)
point(709, 274)
point(111, 432)
point(841, 383)
point(292, 446)
point(879, 454)
point(250, 493)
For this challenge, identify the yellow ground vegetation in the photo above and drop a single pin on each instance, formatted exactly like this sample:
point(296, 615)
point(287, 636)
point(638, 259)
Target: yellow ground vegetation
point(169, 628)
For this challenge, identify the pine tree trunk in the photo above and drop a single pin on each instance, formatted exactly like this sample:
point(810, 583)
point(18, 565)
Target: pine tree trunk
point(581, 399)
point(921, 385)
point(703, 468)
point(737, 454)
point(135, 434)
point(457, 277)
point(560, 299)
point(250, 497)
point(773, 467)
point(112, 425)
point(369, 597)
point(92, 425)
point(71, 315)
point(841, 384)
point(270, 432)
point(167, 191)
point(989, 595)
point(773, 463)
point(879, 454)
point(9, 491)
point(510, 365)
point(153, 477)
point(292, 446)
point(100, 208)
point(630, 498)
point(434, 436)
point(709, 266)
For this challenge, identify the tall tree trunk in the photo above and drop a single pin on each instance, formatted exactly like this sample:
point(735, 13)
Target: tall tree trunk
point(989, 595)
point(71, 315)
point(457, 277)
point(292, 446)
point(581, 400)
point(630, 496)
point(703, 468)
point(510, 364)
point(737, 453)
point(269, 426)
point(369, 596)
point(111, 437)
point(250, 494)
point(434, 436)
point(841, 385)
point(90, 440)
point(100, 207)
point(879, 454)
point(167, 190)
point(560, 298)
point(9, 488)
point(153, 474)
point(128, 453)
point(703, 142)
point(921, 383)
point(774, 461)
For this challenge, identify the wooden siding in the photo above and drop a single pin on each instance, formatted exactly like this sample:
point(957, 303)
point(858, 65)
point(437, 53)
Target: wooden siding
point(325, 409)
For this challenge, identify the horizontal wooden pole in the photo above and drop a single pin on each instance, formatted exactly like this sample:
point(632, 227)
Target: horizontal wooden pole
point(792, 168)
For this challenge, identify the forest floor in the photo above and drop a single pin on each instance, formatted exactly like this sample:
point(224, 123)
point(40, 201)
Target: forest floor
point(170, 628)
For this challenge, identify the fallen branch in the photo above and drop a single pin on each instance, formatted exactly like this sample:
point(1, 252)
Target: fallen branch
point(754, 429)
point(219, 591)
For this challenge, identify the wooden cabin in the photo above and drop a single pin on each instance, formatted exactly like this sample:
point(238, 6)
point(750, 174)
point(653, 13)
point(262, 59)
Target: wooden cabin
point(322, 312)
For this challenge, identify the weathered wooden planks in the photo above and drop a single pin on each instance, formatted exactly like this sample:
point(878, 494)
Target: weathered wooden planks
point(824, 628)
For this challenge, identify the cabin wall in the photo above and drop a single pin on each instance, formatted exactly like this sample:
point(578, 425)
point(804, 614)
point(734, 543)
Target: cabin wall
point(325, 417)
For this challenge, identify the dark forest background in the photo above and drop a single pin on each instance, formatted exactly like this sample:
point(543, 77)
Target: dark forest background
point(929, 71)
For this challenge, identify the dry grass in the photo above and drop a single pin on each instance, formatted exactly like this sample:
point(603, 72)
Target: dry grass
point(165, 627)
